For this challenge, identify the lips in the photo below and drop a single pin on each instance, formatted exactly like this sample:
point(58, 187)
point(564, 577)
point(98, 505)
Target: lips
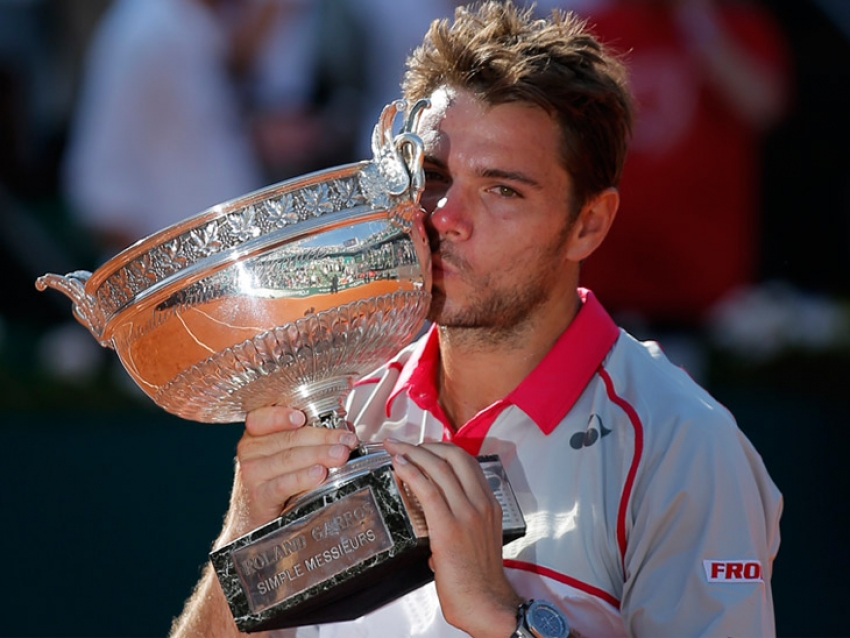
point(444, 261)
point(440, 266)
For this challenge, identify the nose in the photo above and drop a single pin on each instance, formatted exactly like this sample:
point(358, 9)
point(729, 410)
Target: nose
point(450, 218)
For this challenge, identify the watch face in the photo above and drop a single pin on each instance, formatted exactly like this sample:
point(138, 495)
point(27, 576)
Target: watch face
point(546, 621)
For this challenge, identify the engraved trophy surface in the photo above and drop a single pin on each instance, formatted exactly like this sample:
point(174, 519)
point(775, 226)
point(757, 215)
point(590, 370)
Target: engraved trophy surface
point(286, 296)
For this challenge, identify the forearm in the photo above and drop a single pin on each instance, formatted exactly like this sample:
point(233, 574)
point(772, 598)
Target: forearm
point(206, 613)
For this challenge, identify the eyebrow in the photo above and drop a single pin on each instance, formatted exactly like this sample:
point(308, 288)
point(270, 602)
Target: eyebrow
point(498, 173)
point(512, 176)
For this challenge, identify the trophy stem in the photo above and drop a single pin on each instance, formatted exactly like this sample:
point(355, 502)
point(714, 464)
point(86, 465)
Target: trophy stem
point(322, 401)
point(336, 420)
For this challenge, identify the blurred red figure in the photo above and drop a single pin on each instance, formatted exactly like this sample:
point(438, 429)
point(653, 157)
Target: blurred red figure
point(710, 77)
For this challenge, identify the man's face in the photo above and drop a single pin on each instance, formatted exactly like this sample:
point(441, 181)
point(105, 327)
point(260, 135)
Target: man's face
point(498, 221)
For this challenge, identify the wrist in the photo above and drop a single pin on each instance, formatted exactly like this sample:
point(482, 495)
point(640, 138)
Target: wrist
point(494, 622)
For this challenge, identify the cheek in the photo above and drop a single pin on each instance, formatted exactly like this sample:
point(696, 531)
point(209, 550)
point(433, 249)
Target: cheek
point(523, 247)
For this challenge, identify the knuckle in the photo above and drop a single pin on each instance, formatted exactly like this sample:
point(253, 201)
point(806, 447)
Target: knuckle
point(249, 472)
point(259, 418)
point(428, 492)
point(281, 488)
point(442, 467)
point(242, 448)
point(283, 461)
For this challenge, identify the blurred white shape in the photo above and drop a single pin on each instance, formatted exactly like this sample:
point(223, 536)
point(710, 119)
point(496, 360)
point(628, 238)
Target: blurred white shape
point(759, 323)
point(69, 353)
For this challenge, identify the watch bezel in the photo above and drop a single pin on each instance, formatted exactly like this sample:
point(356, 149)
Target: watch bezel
point(533, 619)
point(528, 620)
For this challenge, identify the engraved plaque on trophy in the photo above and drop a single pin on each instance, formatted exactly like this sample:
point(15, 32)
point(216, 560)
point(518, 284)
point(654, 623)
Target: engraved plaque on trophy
point(286, 296)
point(341, 551)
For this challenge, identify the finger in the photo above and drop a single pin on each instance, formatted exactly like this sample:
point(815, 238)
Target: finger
point(265, 458)
point(281, 488)
point(465, 466)
point(297, 458)
point(457, 474)
point(273, 419)
point(270, 480)
point(275, 442)
point(427, 492)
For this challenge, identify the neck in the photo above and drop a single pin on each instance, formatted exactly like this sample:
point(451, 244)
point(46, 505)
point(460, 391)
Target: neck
point(479, 366)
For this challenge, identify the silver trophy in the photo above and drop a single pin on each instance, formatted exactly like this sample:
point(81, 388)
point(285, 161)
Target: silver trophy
point(286, 296)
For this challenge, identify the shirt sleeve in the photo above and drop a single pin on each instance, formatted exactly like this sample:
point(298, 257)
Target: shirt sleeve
point(703, 536)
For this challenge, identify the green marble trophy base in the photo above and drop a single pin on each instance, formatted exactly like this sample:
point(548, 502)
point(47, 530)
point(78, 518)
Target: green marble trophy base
point(343, 552)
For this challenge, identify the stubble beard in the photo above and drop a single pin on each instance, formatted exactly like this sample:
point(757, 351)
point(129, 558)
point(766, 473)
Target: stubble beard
point(494, 314)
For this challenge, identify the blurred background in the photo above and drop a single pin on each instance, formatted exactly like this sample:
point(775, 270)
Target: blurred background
point(732, 249)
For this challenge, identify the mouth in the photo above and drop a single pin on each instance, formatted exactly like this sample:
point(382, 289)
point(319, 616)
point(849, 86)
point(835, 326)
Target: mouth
point(440, 268)
point(444, 262)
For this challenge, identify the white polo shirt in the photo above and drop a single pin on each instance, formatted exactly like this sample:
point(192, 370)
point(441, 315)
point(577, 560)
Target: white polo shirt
point(649, 512)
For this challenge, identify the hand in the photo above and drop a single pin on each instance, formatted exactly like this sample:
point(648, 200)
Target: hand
point(277, 458)
point(465, 532)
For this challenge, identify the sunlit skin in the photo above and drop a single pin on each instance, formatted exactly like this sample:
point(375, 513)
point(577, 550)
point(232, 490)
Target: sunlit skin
point(498, 223)
point(505, 247)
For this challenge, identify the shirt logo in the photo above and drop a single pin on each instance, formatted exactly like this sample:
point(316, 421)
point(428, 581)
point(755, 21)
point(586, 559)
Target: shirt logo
point(591, 435)
point(732, 571)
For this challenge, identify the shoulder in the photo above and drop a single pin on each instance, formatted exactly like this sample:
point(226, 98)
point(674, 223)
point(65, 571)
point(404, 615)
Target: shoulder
point(690, 454)
point(638, 374)
point(681, 429)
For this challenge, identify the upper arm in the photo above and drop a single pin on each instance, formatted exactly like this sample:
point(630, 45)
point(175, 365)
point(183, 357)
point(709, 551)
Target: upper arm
point(703, 534)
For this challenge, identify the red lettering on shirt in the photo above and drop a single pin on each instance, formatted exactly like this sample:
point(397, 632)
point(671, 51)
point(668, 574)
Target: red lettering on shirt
point(732, 571)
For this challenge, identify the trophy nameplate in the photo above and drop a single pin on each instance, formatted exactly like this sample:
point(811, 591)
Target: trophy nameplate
point(346, 552)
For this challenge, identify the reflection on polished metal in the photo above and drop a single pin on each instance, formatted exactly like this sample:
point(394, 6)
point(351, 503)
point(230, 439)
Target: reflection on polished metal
point(281, 296)
point(286, 296)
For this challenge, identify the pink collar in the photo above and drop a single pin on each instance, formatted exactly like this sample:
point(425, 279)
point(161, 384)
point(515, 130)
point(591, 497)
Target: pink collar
point(545, 395)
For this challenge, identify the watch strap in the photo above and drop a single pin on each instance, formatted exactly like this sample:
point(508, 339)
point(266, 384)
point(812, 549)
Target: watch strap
point(520, 631)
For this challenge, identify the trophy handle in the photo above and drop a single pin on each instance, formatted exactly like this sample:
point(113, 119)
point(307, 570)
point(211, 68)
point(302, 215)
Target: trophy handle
point(399, 156)
point(410, 149)
point(72, 286)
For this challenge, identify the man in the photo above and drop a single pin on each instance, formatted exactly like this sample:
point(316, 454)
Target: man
point(648, 511)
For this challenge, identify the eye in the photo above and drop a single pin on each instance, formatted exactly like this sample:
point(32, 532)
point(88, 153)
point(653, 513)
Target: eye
point(434, 176)
point(505, 191)
point(436, 185)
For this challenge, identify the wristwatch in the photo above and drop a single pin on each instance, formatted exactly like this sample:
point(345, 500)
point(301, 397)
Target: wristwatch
point(540, 619)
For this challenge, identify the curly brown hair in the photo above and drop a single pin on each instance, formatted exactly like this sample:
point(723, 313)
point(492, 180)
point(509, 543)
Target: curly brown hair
point(502, 53)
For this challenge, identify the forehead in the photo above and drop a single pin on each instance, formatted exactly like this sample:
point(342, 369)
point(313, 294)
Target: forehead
point(432, 117)
point(458, 125)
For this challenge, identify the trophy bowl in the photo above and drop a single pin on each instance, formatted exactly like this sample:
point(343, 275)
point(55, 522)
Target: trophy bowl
point(282, 296)
point(286, 296)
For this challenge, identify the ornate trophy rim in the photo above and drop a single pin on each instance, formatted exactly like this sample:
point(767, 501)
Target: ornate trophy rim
point(210, 316)
point(228, 231)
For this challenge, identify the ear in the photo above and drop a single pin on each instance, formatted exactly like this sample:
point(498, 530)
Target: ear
point(592, 224)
